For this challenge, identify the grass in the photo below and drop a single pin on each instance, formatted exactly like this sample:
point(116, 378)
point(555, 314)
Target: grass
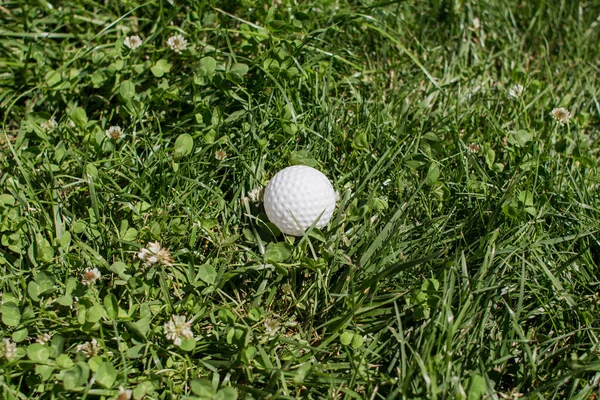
point(461, 262)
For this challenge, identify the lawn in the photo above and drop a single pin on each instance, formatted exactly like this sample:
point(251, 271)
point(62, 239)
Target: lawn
point(462, 260)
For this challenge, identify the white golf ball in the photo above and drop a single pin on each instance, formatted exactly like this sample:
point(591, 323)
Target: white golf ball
point(296, 197)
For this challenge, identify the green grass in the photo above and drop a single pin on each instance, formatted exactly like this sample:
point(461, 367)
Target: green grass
point(461, 262)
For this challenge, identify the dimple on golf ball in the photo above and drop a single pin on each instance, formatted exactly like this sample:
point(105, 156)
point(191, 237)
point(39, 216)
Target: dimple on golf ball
point(296, 197)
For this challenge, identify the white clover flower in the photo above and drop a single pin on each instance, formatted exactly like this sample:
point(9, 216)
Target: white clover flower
point(124, 394)
point(44, 338)
point(49, 124)
point(177, 329)
point(256, 195)
point(115, 133)
point(561, 115)
point(177, 43)
point(132, 42)
point(220, 155)
point(516, 91)
point(474, 148)
point(271, 326)
point(514, 394)
point(8, 350)
point(89, 349)
point(90, 276)
point(154, 254)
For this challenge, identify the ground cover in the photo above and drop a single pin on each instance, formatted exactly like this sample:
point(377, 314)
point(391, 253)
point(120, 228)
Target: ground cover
point(462, 260)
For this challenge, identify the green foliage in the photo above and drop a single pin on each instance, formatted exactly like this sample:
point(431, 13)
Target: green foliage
point(303, 157)
point(461, 261)
point(476, 387)
point(207, 273)
point(161, 67)
point(106, 375)
point(183, 145)
point(237, 72)
point(11, 315)
point(38, 352)
point(278, 252)
point(425, 299)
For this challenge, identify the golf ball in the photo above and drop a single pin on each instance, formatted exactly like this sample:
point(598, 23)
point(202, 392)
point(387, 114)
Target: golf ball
point(296, 197)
